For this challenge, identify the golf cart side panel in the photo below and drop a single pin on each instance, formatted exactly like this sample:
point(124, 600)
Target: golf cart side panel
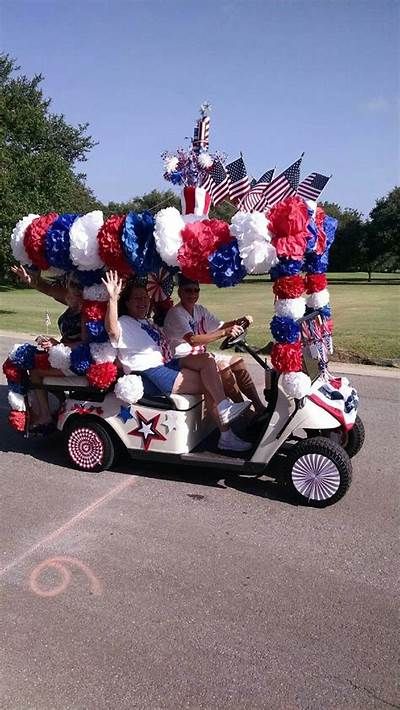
point(176, 431)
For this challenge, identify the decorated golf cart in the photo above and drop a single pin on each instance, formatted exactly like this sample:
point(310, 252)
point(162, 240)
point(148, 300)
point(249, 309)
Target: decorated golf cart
point(310, 428)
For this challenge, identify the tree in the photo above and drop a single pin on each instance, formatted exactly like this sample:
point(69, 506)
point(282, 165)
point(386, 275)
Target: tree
point(347, 249)
point(39, 153)
point(153, 201)
point(382, 245)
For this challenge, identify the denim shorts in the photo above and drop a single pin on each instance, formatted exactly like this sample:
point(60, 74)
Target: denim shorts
point(161, 379)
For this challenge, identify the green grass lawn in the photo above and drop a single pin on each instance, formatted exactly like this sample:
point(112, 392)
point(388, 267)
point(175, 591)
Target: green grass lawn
point(366, 315)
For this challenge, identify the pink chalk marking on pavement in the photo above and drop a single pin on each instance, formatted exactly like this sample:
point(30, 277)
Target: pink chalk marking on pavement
point(59, 531)
point(60, 565)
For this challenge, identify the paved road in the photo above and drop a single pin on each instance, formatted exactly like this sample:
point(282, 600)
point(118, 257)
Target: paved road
point(153, 588)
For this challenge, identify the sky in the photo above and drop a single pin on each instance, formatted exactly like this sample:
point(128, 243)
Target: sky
point(282, 76)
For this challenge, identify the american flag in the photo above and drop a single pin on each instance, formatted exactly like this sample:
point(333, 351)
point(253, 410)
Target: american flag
point(239, 180)
point(217, 182)
point(311, 187)
point(201, 134)
point(282, 186)
point(257, 187)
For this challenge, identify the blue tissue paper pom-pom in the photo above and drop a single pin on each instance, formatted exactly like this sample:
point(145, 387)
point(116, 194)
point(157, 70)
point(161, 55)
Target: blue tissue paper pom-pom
point(89, 278)
point(284, 329)
point(286, 267)
point(80, 359)
point(57, 242)
point(330, 227)
point(96, 331)
point(226, 266)
point(317, 263)
point(24, 356)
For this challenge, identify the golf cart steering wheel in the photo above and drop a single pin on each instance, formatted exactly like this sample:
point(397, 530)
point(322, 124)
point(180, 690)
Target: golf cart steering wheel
point(230, 342)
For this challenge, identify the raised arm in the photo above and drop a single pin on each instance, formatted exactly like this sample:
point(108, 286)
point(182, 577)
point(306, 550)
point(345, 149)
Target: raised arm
point(113, 284)
point(34, 280)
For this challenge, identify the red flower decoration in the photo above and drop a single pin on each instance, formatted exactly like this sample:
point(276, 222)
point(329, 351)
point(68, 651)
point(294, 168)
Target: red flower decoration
point(11, 371)
point(288, 224)
point(321, 236)
point(315, 282)
point(102, 375)
point(42, 361)
point(201, 239)
point(17, 420)
point(94, 310)
point(287, 357)
point(34, 239)
point(288, 286)
point(110, 249)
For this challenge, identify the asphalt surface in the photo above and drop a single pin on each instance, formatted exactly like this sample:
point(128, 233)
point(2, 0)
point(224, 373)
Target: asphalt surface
point(157, 588)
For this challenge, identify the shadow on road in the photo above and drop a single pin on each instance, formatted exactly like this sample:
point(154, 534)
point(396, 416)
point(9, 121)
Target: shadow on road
point(50, 450)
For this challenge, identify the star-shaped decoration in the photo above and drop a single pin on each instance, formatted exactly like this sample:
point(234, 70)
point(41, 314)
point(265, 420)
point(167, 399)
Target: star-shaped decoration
point(205, 108)
point(125, 414)
point(170, 421)
point(147, 430)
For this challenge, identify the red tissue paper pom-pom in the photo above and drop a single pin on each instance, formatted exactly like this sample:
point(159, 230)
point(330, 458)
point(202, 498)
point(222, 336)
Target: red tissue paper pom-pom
point(11, 371)
point(321, 236)
point(288, 286)
point(42, 361)
point(34, 239)
point(287, 357)
point(110, 248)
point(315, 282)
point(102, 375)
point(17, 420)
point(94, 310)
point(288, 224)
point(201, 239)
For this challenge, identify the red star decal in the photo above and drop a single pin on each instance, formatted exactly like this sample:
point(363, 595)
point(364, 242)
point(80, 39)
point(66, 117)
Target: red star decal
point(147, 430)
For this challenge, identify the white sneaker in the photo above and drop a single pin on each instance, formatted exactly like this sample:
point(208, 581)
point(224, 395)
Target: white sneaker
point(228, 410)
point(230, 442)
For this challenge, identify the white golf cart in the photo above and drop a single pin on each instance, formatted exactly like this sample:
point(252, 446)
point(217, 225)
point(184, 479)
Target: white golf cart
point(297, 442)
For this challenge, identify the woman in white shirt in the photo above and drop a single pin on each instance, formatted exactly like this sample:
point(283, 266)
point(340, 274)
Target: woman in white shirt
point(142, 347)
point(190, 326)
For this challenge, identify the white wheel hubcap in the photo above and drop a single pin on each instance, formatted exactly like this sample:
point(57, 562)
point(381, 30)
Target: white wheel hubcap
point(315, 476)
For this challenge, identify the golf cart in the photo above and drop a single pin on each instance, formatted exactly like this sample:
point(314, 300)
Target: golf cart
point(297, 442)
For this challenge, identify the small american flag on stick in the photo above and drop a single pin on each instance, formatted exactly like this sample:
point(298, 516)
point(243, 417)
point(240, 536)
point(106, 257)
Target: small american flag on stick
point(257, 187)
point(217, 182)
point(239, 180)
point(47, 321)
point(282, 186)
point(311, 187)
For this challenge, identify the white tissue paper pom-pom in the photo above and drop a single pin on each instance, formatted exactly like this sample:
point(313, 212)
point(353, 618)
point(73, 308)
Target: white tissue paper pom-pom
point(17, 401)
point(84, 251)
point(191, 218)
point(59, 358)
point(129, 388)
point(102, 352)
point(17, 239)
point(290, 307)
point(167, 234)
point(296, 384)
point(14, 350)
point(319, 299)
point(97, 292)
point(171, 164)
point(259, 258)
point(205, 160)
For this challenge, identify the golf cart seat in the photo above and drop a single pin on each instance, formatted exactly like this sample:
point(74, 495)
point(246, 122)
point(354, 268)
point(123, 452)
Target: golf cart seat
point(79, 386)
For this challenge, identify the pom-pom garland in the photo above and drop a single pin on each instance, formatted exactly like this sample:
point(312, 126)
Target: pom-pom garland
point(12, 372)
point(285, 330)
point(138, 243)
point(315, 283)
point(129, 388)
point(17, 420)
point(23, 356)
point(318, 300)
point(59, 358)
point(57, 242)
point(102, 352)
point(200, 240)
point(96, 331)
point(287, 357)
point(286, 267)
point(110, 244)
point(288, 225)
point(94, 310)
point(168, 234)
point(290, 307)
point(80, 359)
point(97, 292)
point(289, 287)
point(17, 239)
point(102, 375)
point(16, 401)
point(84, 248)
point(35, 240)
point(226, 266)
point(253, 237)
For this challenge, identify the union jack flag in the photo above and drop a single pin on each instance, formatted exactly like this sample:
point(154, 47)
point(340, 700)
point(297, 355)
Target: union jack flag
point(217, 182)
point(239, 180)
point(257, 187)
point(311, 187)
point(282, 186)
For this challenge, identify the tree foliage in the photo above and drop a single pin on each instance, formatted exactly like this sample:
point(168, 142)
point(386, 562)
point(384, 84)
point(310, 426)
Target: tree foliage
point(39, 153)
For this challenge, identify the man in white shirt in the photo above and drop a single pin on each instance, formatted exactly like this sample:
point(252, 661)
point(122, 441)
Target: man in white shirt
point(190, 327)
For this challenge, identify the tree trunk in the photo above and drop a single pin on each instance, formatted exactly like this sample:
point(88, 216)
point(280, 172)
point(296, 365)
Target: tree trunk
point(369, 274)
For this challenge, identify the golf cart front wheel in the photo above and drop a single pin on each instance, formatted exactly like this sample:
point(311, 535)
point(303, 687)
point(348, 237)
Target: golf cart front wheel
point(318, 471)
point(89, 447)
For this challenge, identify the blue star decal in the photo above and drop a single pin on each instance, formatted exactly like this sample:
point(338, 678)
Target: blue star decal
point(125, 414)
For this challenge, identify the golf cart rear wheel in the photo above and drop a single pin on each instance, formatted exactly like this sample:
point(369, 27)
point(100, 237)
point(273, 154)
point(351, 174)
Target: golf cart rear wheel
point(354, 438)
point(318, 471)
point(89, 446)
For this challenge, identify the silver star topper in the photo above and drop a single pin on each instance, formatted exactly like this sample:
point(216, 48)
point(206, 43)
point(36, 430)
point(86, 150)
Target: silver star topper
point(205, 108)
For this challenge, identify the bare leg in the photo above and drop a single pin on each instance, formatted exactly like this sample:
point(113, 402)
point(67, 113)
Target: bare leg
point(207, 369)
point(190, 382)
point(247, 385)
point(42, 401)
point(229, 383)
